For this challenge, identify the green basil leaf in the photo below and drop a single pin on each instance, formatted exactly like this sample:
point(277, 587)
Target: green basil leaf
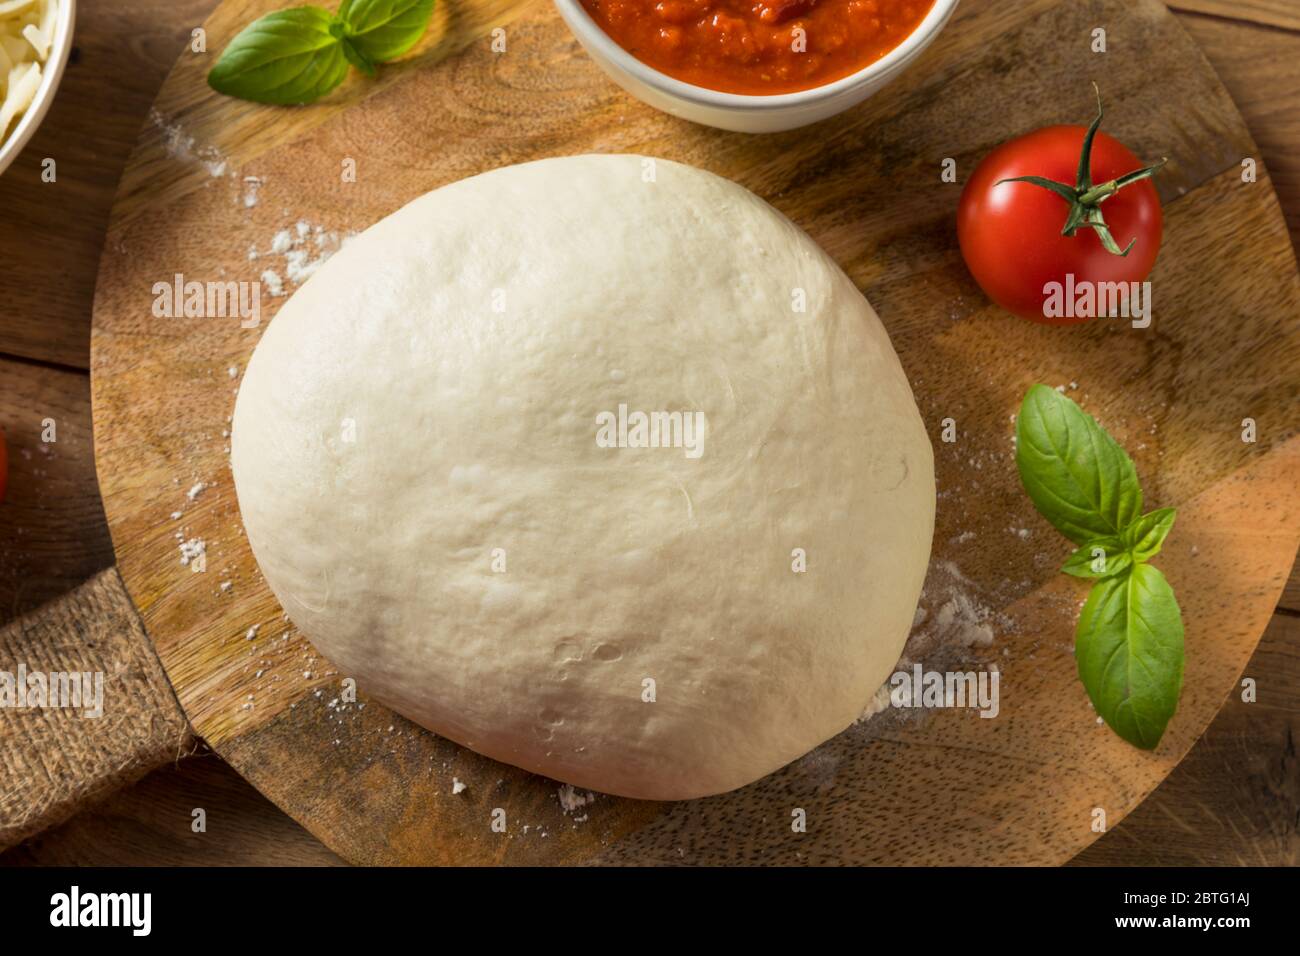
point(1078, 477)
point(1145, 535)
point(1129, 651)
point(1099, 558)
point(286, 58)
point(357, 58)
point(385, 29)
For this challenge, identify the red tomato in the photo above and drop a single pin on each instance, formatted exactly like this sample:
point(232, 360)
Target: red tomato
point(1010, 234)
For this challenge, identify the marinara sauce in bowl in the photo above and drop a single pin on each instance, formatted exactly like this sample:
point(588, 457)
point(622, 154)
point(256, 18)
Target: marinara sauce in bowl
point(754, 65)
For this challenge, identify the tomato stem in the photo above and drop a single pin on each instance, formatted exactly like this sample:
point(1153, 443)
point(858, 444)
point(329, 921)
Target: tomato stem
point(1084, 198)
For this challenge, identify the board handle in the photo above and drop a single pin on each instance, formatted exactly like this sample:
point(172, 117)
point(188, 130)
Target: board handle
point(106, 717)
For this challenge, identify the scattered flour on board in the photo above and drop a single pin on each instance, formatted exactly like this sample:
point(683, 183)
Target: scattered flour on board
point(273, 283)
point(571, 800)
point(961, 620)
point(303, 248)
point(182, 146)
point(191, 549)
point(950, 620)
point(879, 702)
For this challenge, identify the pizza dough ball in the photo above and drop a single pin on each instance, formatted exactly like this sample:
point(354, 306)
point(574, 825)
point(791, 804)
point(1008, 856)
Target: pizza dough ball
point(445, 477)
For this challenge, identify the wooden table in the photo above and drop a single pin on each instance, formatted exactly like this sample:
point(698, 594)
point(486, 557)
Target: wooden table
point(1235, 799)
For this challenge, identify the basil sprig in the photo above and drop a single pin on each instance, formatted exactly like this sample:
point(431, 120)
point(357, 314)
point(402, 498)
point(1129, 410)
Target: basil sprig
point(1129, 640)
point(1078, 477)
point(382, 30)
point(296, 56)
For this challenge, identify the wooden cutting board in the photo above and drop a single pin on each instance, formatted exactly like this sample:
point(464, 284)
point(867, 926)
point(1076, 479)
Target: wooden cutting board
point(942, 787)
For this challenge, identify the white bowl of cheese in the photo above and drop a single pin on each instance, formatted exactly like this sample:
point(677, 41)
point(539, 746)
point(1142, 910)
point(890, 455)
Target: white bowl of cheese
point(35, 42)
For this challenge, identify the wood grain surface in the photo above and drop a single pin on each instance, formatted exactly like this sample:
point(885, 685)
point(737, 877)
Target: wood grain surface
point(51, 522)
point(1278, 13)
point(151, 822)
point(54, 232)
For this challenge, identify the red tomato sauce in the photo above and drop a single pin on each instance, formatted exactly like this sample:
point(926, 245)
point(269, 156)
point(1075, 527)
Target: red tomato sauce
point(758, 46)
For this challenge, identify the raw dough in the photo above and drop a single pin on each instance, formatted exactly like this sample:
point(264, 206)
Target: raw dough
point(423, 413)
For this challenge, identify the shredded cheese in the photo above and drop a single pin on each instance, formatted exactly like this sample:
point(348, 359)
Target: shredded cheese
point(26, 33)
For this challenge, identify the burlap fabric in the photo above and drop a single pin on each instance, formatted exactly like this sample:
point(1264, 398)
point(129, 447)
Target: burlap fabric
point(54, 760)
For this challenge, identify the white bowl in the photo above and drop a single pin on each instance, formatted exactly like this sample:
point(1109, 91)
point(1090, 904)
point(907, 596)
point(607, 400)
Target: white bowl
point(734, 111)
point(51, 74)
